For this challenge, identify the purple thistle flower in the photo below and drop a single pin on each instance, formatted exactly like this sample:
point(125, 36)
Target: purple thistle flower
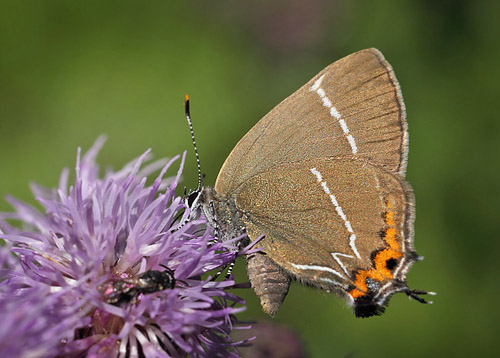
point(107, 270)
point(35, 322)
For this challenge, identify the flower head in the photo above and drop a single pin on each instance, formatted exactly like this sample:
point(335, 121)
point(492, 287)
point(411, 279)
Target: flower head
point(112, 272)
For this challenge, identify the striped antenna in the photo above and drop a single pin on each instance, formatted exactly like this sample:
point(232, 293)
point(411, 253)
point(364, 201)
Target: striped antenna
point(188, 118)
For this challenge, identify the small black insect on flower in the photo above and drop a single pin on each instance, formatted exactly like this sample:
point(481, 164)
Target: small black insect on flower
point(121, 291)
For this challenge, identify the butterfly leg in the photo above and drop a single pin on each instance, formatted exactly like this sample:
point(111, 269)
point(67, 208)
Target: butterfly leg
point(230, 266)
point(214, 225)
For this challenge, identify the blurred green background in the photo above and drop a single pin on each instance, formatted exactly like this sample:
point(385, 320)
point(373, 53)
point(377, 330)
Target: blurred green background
point(70, 71)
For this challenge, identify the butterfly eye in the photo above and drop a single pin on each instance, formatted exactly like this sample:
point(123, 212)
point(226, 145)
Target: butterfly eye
point(192, 198)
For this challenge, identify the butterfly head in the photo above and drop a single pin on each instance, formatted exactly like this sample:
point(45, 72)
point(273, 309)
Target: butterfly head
point(193, 202)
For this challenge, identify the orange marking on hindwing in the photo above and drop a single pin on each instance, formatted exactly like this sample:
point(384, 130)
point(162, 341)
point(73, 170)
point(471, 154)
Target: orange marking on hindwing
point(391, 239)
point(383, 258)
point(381, 261)
point(389, 218)
point(362, 287)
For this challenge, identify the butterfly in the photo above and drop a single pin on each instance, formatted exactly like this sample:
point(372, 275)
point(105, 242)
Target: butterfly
point(322, 177)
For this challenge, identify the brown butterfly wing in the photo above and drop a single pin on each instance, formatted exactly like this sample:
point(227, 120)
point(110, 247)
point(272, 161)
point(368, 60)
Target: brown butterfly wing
point(354, 106)
point(333, 222)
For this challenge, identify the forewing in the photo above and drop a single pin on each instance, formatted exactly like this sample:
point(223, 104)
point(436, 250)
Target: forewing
point(332, 222)
point(354, 106)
